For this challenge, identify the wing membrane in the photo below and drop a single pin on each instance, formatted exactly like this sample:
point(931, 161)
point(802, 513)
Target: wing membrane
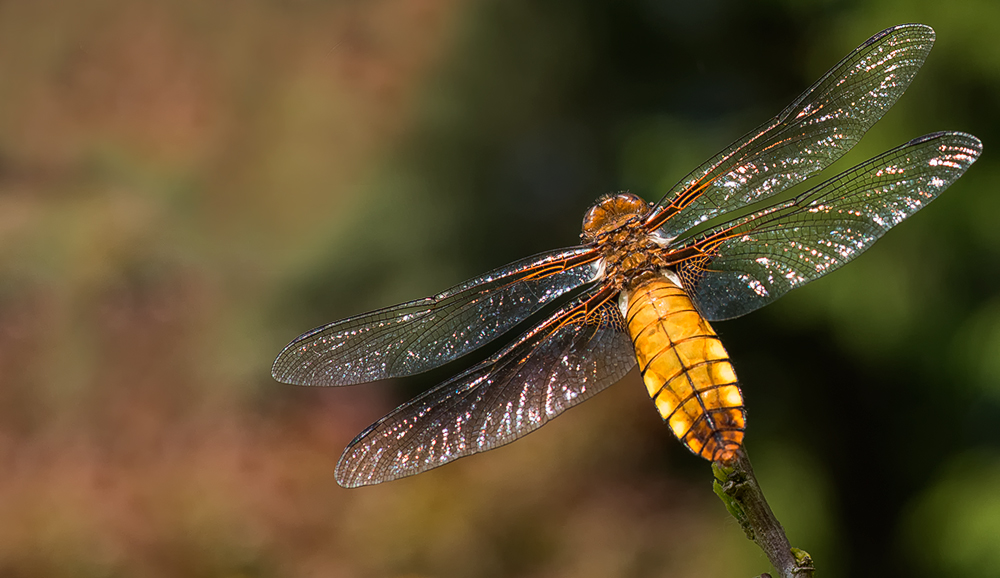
point(818, 128)
point(575, 353)
point(419, 335)
point(749, 263)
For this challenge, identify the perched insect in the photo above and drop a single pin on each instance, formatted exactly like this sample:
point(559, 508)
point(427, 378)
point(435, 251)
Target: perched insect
point(644, 284)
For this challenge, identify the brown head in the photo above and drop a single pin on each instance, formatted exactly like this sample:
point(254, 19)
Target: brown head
point(610, 212)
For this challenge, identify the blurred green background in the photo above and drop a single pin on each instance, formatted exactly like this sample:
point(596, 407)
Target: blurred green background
point(185, 186)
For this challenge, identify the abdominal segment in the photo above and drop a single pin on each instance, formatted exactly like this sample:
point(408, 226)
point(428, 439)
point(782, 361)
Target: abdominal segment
point(686, 369)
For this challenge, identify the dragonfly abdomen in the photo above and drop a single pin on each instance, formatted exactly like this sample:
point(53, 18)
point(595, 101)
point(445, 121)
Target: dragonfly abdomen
point(686, 369)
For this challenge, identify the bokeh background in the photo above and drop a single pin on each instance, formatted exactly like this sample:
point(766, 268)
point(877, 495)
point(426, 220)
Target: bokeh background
point(185, 186)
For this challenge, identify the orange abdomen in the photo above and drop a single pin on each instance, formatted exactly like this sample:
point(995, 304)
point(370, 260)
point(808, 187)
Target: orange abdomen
point(686, 369)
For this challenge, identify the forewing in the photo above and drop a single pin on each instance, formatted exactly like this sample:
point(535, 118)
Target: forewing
point(818, 128)
point(575, 353)
point(749, 263)
point(419, 335)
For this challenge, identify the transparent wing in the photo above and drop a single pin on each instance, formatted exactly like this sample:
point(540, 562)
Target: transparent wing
point(575, 353)
point(818, 128)
point(419, 335)
point(749, 263)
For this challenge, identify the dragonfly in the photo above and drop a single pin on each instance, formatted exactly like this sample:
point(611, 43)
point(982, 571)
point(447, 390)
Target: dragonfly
point(644, 284)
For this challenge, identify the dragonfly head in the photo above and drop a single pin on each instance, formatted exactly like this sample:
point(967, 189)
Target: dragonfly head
point(610, 212)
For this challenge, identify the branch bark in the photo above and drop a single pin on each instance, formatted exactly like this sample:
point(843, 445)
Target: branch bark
point(736, 485)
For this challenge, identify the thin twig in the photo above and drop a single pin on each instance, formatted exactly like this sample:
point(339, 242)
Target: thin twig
point(736, 485)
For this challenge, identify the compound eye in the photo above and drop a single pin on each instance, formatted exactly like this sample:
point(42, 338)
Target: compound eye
point(593, 221)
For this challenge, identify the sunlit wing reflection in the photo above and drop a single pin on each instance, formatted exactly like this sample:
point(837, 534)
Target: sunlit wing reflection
point(419, 335)
point(818, 128)
point(745, 265)
point(563, 361)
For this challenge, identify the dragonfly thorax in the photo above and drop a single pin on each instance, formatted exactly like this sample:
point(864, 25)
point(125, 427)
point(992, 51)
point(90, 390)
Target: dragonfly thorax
point(616, 224)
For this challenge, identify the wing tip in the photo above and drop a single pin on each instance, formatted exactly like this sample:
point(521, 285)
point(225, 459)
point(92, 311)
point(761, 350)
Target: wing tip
point(293, 366)
point(971, 143)
point(345, 475)
point(282, 370)
point(278, 369)
point(350, 474)
point(909, 28)
point(349, 482)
